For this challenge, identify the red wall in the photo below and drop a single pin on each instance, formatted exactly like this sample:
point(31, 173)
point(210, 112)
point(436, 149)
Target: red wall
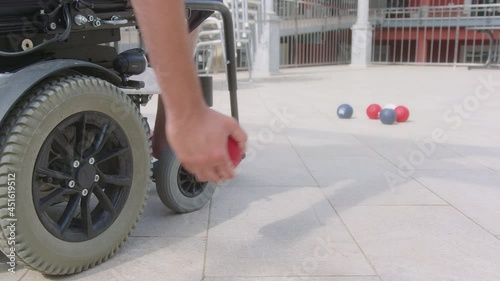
point(443, 33)
point(440, 43)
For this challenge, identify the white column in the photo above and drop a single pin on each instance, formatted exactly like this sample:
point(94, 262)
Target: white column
point(267, 56)
point(467, 9)
point(362, 33)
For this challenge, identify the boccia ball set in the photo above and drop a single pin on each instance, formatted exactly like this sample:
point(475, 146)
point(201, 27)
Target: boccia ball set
point(388, 114)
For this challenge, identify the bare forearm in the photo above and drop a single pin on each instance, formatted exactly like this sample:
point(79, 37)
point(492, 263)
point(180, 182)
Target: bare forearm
point(164, 30)
point(197, 134)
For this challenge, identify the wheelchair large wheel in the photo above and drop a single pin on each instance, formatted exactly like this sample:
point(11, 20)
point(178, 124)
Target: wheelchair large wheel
point(78, 149)
point(177, 188)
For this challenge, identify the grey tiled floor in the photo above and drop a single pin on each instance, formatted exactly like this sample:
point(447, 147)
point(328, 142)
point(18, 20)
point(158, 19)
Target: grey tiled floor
point(324, 199)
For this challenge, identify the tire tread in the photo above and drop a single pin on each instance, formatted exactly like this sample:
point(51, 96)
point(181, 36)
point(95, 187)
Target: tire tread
point(11, 135)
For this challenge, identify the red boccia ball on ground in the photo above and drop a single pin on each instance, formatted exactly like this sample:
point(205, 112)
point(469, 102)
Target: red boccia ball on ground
point(373, 111)
point(402, 113)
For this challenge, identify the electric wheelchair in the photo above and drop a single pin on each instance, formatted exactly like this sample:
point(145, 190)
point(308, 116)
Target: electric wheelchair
point(75, 153)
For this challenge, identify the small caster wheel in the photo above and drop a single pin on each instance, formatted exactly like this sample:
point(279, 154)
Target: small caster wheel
point(177, 188)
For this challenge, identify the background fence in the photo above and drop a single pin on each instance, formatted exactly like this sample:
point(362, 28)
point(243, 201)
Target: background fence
point(318, 32)
point(436, 32)
point(315, 32)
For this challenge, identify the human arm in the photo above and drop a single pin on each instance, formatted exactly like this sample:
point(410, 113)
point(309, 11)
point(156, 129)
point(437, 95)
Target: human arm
point(197, 134)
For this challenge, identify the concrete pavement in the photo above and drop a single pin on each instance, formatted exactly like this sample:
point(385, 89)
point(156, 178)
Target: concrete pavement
point(319, 198)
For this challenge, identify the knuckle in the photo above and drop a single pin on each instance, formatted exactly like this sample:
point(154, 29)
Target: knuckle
point(232, 123)
point(202, 160)
point(201, 177)
point(218, 156)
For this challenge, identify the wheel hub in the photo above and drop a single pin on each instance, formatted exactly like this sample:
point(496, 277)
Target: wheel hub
point(85, 176)
point(188, 184)
point(78, 200)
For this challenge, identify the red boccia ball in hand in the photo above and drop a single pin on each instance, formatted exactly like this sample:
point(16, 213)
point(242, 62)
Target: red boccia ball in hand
point(373, 111)
point(402, 113)
point(234, 151)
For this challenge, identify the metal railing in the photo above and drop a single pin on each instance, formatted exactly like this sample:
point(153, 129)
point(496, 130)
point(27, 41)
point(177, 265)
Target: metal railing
point(441, 34)
point(247, 22)
point(315, 32)
point(308, 9)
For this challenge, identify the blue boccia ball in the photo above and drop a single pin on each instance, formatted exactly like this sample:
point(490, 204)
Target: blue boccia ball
point(387, 116)
point(345, 111)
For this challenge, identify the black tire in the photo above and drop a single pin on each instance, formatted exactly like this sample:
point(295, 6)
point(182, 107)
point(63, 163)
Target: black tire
point(177, 188)
point(42, 122)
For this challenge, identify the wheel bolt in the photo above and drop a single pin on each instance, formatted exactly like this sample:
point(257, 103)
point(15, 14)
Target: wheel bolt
point(96, 179)
point(71, 184)
point(76, 164)
point(85, 192)
point(91, 161)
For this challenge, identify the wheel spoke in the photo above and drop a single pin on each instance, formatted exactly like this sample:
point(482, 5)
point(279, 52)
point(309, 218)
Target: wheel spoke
point(105, 157)
point(196, 188)
point(80, 134)
point(187, 183)
point(54, 174)
point(69, 213)
point(55, 195)
point(118, 180)
point(63, 143)
point(104, 200)
point(68, 157)
point(86, 214)
point(182, 182)
point(192, 187)
point(184, 173)
point(103, 136)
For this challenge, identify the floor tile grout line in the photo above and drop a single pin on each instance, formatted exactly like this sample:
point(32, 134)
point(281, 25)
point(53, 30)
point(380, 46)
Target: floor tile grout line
point(293, 276)
point(478, 163)
point(24, 275)
point(396, 205)
point(410, 176)
point(424, 186)
point(455, 208)
point(481, 166)
point(165, 236)
point(352, 236)
point(374, 150)
point(203, 273)
point(335, 210)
